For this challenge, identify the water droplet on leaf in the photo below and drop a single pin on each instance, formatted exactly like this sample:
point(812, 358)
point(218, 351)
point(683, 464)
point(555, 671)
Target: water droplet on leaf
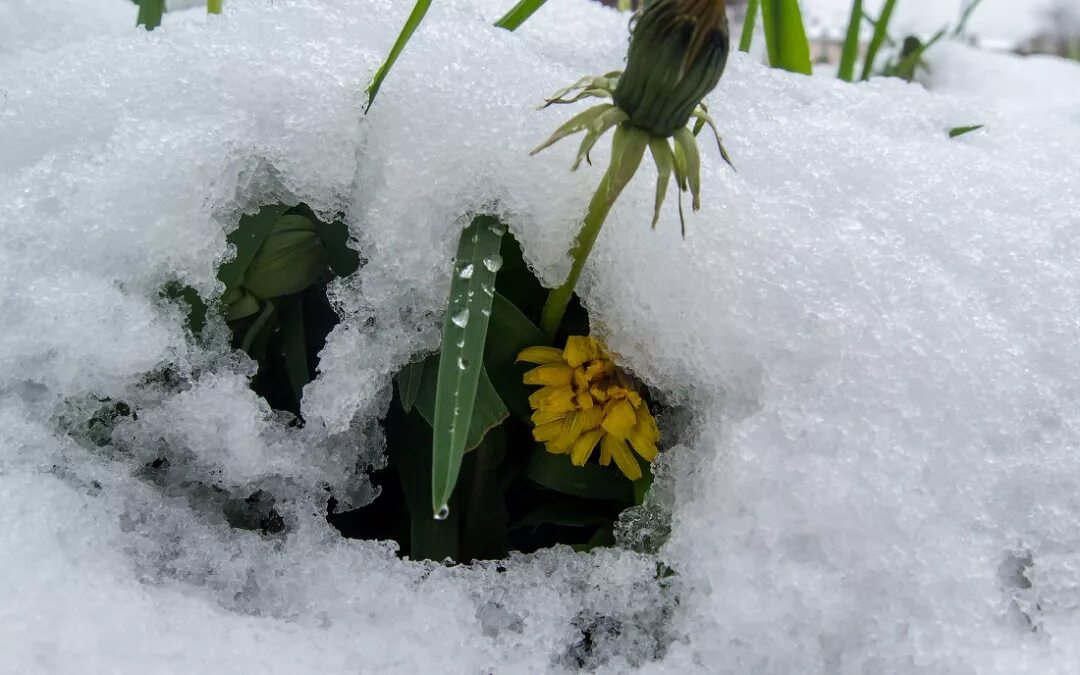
point(466, 272)
point(493, 262)
point(462, 363)
point(461, 319)
point(443, 513)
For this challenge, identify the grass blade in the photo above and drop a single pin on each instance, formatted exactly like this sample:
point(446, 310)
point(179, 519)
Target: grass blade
point(960, 131)
point(417, 15)
point(464, 333)
point(851, 43)
point(881, 32)
point(785, 36)
point(747, 37)
point(150, 12)
point(408, 382)
point(519, 14)
point(213, 6)
point(969, 9)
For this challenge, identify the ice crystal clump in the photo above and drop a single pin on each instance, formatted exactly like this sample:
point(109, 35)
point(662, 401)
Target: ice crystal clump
point(867, 343)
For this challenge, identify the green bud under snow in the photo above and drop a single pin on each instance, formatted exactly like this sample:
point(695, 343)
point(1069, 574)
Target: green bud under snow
point(677, 54)
point(290, 259)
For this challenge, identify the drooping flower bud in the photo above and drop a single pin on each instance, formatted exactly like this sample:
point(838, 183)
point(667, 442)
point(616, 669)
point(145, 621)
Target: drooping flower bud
point(291, 259)
point(677, 54)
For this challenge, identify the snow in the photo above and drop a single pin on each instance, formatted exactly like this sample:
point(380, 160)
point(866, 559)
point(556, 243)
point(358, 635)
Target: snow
point(867, 338)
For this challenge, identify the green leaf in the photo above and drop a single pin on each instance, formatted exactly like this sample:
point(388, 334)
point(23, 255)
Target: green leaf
point(415, 17)
point(592, 481)
point(969, 9)
point(150, 12)
point(752, 7)
point(851, 43)
point(785, 36)
point(509, 332)
point(472, 289)
point(881, 32)
point(408, 382)
point(247, 238)
point(960, 131)
point(488, 412)
point(293, 343)
point(213, 6)
point(519, 14)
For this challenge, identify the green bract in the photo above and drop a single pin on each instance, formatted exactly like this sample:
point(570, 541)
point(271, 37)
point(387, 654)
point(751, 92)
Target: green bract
point(677, 54)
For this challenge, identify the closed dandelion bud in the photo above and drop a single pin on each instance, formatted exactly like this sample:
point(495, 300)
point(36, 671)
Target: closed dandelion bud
point(291, 259)
point(677, 54)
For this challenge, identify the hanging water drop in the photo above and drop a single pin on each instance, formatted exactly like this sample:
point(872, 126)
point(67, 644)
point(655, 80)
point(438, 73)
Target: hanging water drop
point(493, 262)
point(466, 272)
point(461, 319)
point(443, 513)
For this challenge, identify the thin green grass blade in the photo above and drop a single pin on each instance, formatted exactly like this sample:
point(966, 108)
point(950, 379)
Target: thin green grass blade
point(417, 15)
point(747, 37)
point(213, 6)
point(408, 382)
point(519, 14)
point(150, 12)
point(960, 131)
point(881, 32)
point(851, 43)
point(464, 333)
point(969, 9)
point(785, 36)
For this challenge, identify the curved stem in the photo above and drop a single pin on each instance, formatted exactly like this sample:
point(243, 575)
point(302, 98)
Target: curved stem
point(599, 207)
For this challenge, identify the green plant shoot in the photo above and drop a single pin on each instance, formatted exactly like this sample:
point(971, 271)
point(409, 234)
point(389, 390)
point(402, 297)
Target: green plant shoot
point(851, 43)
point(464, 333)
point(519, 14)
point(747, 37)
point(785, 36)
point(881, 32)
point(150, 12)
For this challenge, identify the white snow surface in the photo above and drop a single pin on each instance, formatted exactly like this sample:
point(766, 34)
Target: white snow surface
point(870, 331)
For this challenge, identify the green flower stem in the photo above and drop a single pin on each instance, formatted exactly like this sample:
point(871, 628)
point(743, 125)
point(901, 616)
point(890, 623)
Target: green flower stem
point(519, 14)
point(213, 6)
point(603, 199)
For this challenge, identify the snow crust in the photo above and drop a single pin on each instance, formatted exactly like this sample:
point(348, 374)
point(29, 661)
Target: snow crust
point(868, 338)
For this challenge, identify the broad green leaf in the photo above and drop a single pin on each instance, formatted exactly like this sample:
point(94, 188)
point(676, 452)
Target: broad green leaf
point(785, 36)
point(408, 382)
point(592, 481)
point(488, 412)
point(415, 17)
point(752, 7)
point(472, 288)
point(509, 332)
point(851, 43)
point(150, 12)
point(881, 33)
point(960, 131)
point(519, 14)
point(409, 446)
point(483, 529)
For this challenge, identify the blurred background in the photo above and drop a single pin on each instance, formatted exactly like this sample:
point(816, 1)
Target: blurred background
point(1019, 26)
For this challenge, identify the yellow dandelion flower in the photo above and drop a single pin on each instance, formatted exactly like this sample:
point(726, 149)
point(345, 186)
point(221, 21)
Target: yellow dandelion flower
point(584, 401)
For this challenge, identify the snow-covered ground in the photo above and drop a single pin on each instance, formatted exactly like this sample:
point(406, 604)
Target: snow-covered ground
point(871, 331)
